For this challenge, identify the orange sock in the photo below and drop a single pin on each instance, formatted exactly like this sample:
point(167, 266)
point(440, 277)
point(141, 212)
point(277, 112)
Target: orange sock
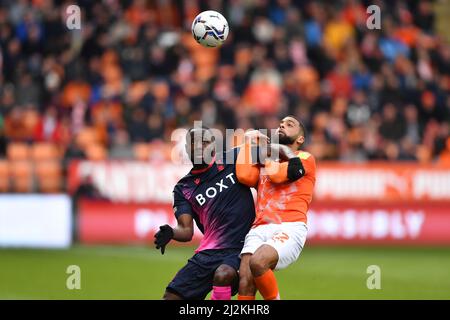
point(246, 297)
point(267, 285)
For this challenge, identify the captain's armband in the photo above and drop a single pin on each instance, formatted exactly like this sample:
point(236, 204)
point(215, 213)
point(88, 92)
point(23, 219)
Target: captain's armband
point(295, 169)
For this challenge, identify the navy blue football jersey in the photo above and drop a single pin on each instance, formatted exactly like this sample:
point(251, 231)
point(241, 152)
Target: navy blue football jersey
point(222, 208)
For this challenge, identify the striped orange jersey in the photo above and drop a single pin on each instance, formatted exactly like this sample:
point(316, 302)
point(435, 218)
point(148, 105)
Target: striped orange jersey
point(278, 199)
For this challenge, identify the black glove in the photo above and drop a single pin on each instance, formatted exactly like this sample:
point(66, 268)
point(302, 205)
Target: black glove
point(163, 236)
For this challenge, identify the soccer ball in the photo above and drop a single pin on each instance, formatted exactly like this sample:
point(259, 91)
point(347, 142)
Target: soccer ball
point(210, 29)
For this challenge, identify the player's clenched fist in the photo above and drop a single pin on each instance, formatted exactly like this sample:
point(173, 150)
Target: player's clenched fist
point(163, 236)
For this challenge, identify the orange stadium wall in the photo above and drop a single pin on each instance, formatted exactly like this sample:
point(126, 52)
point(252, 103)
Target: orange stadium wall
point(376, 203)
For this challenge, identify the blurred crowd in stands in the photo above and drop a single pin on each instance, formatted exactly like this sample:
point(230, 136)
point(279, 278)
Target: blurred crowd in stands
point(120, 85)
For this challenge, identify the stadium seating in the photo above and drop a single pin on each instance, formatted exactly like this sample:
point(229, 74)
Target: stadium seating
point(4, 176)
point(49, 176)
point(18, 151)
point(314, 59)
point(22, 176)
point(141, 151)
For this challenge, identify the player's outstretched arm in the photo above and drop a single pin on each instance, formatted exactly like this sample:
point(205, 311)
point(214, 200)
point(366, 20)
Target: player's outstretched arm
point(183, 232)
point(288, 171)
point(246, 171)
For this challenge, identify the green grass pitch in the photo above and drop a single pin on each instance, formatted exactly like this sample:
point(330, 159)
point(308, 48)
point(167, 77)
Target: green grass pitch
point(143, 273)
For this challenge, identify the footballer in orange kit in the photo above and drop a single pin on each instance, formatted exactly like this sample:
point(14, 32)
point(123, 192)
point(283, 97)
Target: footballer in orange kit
point(285, 189)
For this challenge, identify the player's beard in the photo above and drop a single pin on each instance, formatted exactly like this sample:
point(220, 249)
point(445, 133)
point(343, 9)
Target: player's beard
point(284, 139)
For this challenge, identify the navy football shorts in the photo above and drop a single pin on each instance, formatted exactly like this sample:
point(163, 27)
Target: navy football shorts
point(195, 280)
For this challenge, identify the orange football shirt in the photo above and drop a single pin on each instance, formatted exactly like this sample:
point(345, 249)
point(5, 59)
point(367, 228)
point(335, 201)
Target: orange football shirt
point(278, 199)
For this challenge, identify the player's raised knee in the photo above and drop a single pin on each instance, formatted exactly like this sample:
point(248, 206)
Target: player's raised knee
point(224, 275)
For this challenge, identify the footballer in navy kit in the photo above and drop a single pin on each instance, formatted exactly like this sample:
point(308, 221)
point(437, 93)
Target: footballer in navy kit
point(223, 209)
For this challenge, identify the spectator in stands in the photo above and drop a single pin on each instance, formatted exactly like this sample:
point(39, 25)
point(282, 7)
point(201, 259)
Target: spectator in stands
point(363, 94)
point(393, 126)
point(121, 147)
point(87, 189)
